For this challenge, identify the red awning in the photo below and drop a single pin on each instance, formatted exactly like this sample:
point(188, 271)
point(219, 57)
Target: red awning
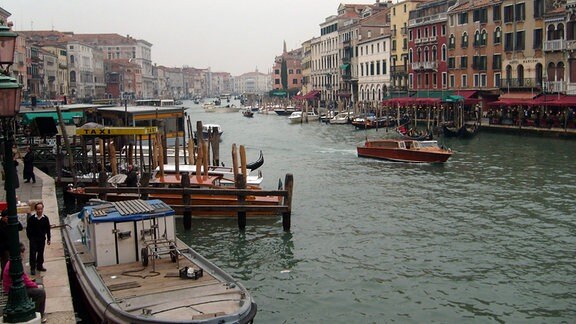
point(518, 95)
point(563, 101)
point(404, 101)
point(309, 95)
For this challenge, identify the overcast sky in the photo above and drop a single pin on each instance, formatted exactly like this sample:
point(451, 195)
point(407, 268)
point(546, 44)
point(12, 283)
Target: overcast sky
point(225, 35)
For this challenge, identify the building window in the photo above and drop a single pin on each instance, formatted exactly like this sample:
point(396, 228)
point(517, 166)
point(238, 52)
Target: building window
point(520, 38)
point(483, 79)
point(497, 35)
point(476, 81)
point(294, 81)
point(509, 42)
point(520, 11)
point(452, 41)
point(463, 18)
point(393, 44)
point(508, 14)
point(497, 80)
point(451, 62)
point(444, 79)
point(464, 62)
point(277, 81)
point(465, 40)
point(538, 8)
point(434, 80)
point(537, 39)
point(497, 62)
point(496, 13)
point(444, 52)
point(276, 71)
point(464, 82)
point(452, 81)
point(384, 67)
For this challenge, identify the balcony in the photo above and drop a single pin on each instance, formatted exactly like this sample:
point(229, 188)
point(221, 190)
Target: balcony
point(554, 45)
point(525, 83)
point(428, 19)
point(423, 66)
point(554, 86)
point(418, 41)
point(393, 33)
point(398, 70)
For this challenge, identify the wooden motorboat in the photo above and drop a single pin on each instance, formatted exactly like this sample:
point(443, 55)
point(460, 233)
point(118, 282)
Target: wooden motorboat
point(404, 151)
point(132, 268)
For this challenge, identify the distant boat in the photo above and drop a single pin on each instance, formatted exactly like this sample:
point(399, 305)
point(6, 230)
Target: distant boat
point(286, 111)
point(466, 131)
point(248, 113)
point(131, 268)
point(298, 117)
point(404, 151)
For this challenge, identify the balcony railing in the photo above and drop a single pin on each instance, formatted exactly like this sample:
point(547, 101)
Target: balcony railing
point(398, 69)
point(428, 19)
point(519, 83)
point(555, 45)
point(554, 86)
point(424, 66)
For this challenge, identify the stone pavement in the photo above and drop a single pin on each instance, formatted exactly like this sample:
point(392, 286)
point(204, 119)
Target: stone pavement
point(59, 308)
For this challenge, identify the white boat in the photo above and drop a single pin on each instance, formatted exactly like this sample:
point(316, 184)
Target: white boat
point(206, 128)
point(209, 107)
point(298, 117)
point(342, 118)
point(226, 173)
point(131, 268)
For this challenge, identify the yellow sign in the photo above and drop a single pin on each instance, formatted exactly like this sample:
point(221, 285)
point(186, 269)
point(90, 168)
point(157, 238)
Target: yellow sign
point(116, 131)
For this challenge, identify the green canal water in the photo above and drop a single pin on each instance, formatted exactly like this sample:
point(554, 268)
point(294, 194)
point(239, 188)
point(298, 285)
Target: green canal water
point(490, 236)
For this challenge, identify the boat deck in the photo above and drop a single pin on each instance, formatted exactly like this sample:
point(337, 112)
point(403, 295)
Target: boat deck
point(163, 294)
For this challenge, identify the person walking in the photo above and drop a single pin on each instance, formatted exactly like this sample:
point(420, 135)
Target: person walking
point(29, 166)
point(35, 292)
point(38, 232)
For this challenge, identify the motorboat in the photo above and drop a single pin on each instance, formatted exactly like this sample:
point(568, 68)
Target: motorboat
point(298, 117)
point(285, 111)
point(404, 151)
point(131, 268)
point(344, 117)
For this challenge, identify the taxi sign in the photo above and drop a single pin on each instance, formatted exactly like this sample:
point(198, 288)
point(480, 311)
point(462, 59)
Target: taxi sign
point(116, 131)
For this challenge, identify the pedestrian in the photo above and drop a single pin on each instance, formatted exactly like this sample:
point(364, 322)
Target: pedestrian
point(29, 166)
point(4, 240)
point(38, 232)
point(35, 292)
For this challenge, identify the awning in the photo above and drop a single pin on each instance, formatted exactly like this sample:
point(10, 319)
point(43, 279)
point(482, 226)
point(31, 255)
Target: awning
point(518, 95)
point(563, 101)
point(310, 95)
point(68, 116)
point(344, 66)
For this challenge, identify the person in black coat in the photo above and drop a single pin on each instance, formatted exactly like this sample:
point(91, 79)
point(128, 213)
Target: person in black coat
point(38, 232)
point(29, 166)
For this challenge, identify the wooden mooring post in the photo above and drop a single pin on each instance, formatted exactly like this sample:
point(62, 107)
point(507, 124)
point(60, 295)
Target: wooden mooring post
point(287, 215)
point(186, 199)
point(241, 184)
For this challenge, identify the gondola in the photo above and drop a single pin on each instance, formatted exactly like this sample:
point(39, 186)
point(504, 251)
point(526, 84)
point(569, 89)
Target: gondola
point(256, 164)
point(466, 131)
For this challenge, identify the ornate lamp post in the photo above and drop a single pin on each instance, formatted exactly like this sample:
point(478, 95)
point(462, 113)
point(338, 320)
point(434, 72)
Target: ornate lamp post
point(19, 307)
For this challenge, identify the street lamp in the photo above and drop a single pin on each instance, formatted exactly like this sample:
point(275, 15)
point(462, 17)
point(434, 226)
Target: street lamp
point(19, 307)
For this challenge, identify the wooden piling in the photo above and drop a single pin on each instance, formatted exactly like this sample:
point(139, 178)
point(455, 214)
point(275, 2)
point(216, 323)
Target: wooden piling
point(102, 182)
point(286, 216)
point(241, 184)
point(186, 199)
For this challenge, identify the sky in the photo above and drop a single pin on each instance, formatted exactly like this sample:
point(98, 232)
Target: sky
point(224, 35)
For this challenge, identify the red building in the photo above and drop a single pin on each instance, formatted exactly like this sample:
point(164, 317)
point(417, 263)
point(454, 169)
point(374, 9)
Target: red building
point(293, 61)
point(427, 42)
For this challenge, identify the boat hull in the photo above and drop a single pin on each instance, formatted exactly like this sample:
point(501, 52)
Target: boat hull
point(399, 154)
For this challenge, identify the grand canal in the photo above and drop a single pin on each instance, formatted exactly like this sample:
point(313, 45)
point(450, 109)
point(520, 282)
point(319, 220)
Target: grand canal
point(487, 237)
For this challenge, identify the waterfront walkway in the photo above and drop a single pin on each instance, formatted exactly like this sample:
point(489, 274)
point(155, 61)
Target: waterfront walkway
point(59, 308)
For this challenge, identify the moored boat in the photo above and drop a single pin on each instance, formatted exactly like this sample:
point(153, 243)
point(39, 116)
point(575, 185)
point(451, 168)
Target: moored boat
point(298, 117)
point(247, 112)
point(132, 268)
point(404, 151)
point(466, 131)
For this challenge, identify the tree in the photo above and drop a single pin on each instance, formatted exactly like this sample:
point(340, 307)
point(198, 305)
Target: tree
point(284, 74)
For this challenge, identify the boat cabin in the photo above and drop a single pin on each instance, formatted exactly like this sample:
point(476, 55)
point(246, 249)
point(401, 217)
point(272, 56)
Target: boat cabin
point(169, 119)
point(118, 232)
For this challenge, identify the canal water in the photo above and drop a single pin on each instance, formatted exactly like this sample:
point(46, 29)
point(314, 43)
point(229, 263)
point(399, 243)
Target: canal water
point(490, 236)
